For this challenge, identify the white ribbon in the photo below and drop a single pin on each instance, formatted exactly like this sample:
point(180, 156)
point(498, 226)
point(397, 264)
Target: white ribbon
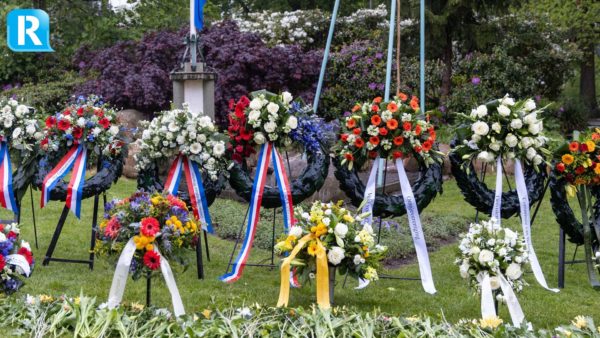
point(362, 283)
point(526, 224)
point(369, 197)
point(497, 208)
point(20, 262)
point(414, 222)
point(122, 273)
point(488, 309)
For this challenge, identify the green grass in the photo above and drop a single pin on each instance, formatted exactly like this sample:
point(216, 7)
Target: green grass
point(260, 285)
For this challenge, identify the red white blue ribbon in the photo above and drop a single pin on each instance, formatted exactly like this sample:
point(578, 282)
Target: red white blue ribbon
point(7, 195)
point(76, 158)
point(266, 152)
point(193, 178)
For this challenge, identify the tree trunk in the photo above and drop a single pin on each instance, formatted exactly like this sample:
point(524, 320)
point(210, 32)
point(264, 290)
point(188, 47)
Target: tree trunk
point(587, 82)
point(447, 73)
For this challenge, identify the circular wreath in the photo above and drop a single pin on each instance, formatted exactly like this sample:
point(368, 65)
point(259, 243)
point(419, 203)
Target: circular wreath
point(20, 128)
point(179, 131)
point(481, 197)
point(300, 128)
point(93, 124)
point(565, 217)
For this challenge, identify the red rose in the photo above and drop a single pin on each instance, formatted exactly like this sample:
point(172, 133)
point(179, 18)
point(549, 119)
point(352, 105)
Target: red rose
point(245, 134)
point(50, 121)
point(67, 112)
point(397, 154)
point(583, 148)
point(12, 235)
point(44, 142)
point(344, 137)
point(579, 170)
point(374, 140)
point(99, 113)
point(375, 108)
point(418, 130)
point(152, 260)
point(150, 226)
point(349, 157)
point(359, 142)
point(372, 154)
point(418, 149)
point(27, 254)
point(2, 262)
point(104, 122)
point(560, 167)
point(356, 131)
point(383, 131)
point(245, 100)
point(406, 126)
point(80, 111)
point(427, 145)
point(64, 124)
point(77, 132)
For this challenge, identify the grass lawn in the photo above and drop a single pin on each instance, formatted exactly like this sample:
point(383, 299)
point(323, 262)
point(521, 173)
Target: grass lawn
point(454, 300)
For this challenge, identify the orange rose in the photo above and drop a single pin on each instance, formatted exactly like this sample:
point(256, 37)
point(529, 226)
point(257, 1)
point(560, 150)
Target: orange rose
point(392, 106)
point(418, 130)
point(359, 142)
point(356, 108)
point(398, 140)
point(414, 104)
point(402, 96)
point(376, 120)
point(351, 123)
point(375, 108)
point(427, 145)
point(374, 140)
point(356, 131)
point(392, 124)
point(383, 131)
point(377, 99)
point(349, 157)
point(573, 146)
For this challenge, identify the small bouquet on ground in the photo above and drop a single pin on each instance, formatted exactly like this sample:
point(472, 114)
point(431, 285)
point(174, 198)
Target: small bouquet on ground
point(391, 130)
point(16, 259)
point(20, 128)
point(330, 235)
point(503, 127)
point(88, 122)
point(265, 118)
point(160, 226)
point(490, 248)
point(181, 132)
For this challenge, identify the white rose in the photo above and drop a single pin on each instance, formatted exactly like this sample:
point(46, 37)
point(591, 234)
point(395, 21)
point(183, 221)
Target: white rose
point(341, 230)
point(495, 282)
point(480, 128)
point(96, 131)
point(335, 255)
point(17, 132)
point(530, 153)
point(21, 110)
point(256, 104)
point(195, 148)
point(201, 138)
point(464, 270)
point(486, 156)
point(292, 122)
point(358, 259)
point(503, 110)
point(535, 128)
point(474, 251)
point(530, 118)
point(509, 101)
point(205, 122)
point(491, 242)
point(475, 138)
point(537, 160)
point(511, 140)
point(529, 105)
point(516, 124)
point(270, 126)
point(296, 231)
point(253, 116)
point(13, 102)
point(272, 108)
point(526, 142)
point(485, 256)
point(287, 97)
point(259, 138)
point(173, 127)
point(30, 129)
point(481, 111)
point(502, 252)
point(496, 127)
point(2, 237)
point(219, 149)
point(495, 146)
point(513, 271)
point(113, 130)
point(38, 135)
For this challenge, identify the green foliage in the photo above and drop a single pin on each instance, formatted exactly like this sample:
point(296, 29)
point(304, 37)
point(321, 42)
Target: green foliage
point(47, 97)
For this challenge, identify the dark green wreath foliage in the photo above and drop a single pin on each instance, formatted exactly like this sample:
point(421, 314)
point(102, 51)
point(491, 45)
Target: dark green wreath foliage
point(481, 197)
point(312, 179)
point(427, 186)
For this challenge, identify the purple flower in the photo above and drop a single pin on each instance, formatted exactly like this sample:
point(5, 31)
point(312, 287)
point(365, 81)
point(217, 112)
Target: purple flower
point(476, 80)
point(379, 55)
point(372, 85)
point(443, 109)
point(538, 98)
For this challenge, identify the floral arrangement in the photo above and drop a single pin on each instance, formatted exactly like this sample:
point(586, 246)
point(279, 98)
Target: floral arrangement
point(16, 260)
point(488, 247)
point(503, 127)
point(578, 162)
point(86, 121)
point(350, 246)
point(153, 221)
point(20, 128)
point(393, 130)
point(265, 118)
point(179, 131)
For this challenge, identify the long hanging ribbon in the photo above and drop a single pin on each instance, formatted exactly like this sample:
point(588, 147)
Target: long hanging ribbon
point(75, 158)
point(193, 178)
point(117, 287)
point(322, 275)
point(7, 194)
point(497, 208)
point(267, 152)
point(369, 196)
point(526, 224)
point(488, 309)
point(416, 230)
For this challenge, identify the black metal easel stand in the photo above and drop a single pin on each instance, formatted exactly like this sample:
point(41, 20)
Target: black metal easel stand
point(61, 222)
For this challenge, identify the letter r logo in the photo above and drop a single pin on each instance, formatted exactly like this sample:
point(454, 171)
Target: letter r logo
point(28, 30)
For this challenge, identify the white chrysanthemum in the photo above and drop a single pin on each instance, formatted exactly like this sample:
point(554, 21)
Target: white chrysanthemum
point(195, 148)
point(335, 255)
point(480, 128)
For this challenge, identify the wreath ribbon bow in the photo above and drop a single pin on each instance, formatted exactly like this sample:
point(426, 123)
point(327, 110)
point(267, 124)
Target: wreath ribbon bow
point(7, 194)
point(76, 159)
point(322, 275)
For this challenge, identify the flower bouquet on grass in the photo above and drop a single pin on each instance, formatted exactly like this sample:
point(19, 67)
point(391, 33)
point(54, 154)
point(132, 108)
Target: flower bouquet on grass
point(578, 163)
point(16, 259)
point(327, 237)
point(391, 130)
point(491, 258)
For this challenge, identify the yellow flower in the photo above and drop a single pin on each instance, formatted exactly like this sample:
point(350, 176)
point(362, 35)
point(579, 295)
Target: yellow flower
point(590, 145)
point(155, 200)
point(137, 307)
point(312, 248)
point(567, 159)
point(490, 322)
point(571, 190)
point(580, 322)
point(142, 241)
point(597, 169)
point(348, 218)
point(206, 313)
point(103, 224)
point(149, 247)
point(77, 300)
point(46, 298)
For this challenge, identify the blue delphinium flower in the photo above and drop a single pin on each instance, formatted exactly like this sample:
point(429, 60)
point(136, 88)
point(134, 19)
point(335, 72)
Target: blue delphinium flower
point(6, 247)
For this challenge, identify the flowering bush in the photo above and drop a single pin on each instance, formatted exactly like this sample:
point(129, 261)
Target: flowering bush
point(87, 121)
point(490, 248)
point(579, 162)
point(504, 128)
point(180, 131)
point(350, 246)
point(16, 260)
point(19, 127)
point(265, 118)
point(391, 129)
point(153, 221)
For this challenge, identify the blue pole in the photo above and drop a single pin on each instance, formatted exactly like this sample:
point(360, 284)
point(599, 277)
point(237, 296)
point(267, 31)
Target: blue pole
point(390, 51)
point(422, 55)
point(326, 56)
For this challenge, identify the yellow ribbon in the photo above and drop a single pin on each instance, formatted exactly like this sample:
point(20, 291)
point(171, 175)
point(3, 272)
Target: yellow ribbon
point(322, 273)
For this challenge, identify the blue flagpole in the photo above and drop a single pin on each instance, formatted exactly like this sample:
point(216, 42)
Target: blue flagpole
point(422, 56)
point(390, 51)
point(336, 6)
